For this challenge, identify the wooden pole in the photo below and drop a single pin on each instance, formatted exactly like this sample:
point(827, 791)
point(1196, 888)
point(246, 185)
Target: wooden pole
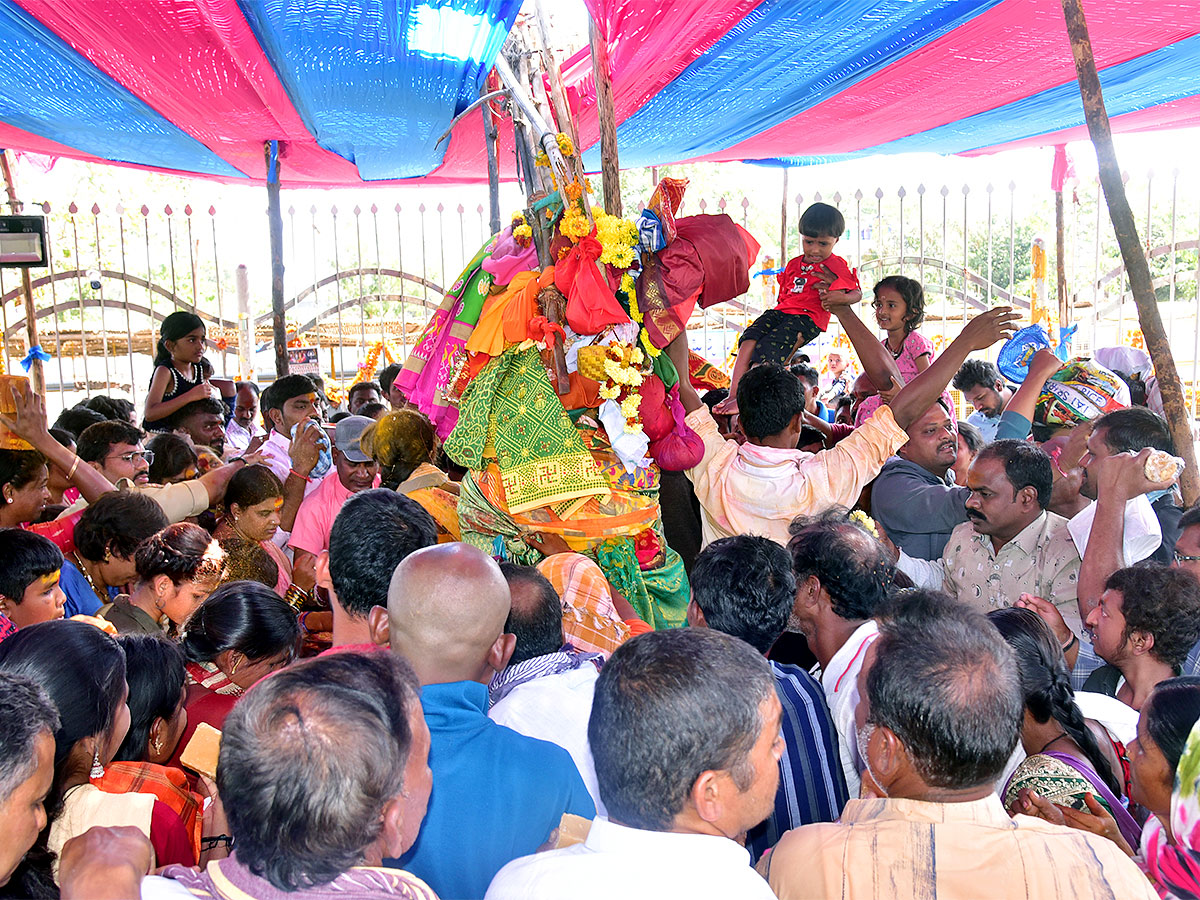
point(610, 170)
point(1132, 254)
point(558, 97)
point(1060, 260)
point(490, 134)
point(275, 222)
point(37, 374)
point(783, 241)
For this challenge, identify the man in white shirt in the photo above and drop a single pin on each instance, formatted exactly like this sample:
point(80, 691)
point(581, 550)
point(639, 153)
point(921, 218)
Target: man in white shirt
point(243, 425)
point(287, 402)
point(545, 691)
point(842, 573)
point(685, 735)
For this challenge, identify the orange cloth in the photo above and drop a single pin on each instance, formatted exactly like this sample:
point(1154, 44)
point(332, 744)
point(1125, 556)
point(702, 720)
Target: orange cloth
point(168, 784)
point(637, 626)
point(524, 306)
point(584, 393)
point(488, 334)
point(590, 620)
point(505, 317)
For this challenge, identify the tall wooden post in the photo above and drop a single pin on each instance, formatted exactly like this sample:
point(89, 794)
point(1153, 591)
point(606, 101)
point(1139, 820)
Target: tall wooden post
point(490, 134)
point(610, 170)
point(1131, 249)
point(783, 240)
point(37, 374)
point(275, 222)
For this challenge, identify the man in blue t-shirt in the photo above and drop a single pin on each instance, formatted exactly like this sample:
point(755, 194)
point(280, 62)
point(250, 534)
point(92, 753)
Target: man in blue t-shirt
point(497, 795)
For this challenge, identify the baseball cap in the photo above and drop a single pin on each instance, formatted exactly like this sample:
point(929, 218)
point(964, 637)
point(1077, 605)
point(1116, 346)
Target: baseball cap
point(346, 437)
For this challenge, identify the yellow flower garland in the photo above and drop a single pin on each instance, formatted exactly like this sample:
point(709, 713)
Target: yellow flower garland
point(624, 377)
point(618, 237)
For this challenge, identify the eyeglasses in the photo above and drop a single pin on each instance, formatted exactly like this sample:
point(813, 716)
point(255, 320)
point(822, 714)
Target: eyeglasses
point(1180, 558)
point(147, 455)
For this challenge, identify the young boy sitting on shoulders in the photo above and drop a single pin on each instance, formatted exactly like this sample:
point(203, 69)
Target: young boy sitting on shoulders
point(798, 316)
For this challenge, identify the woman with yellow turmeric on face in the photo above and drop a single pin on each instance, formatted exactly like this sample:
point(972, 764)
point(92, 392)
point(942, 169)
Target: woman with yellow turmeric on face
point(405, 443)
point(252, 507)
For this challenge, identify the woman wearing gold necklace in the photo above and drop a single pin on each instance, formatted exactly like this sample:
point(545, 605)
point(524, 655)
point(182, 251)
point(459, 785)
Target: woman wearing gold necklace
point(253, 502)
point(108, 534)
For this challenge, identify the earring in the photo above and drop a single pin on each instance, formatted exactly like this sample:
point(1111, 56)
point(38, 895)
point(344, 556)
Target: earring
point(97, 769)
point(233, 669)
point(157, 746)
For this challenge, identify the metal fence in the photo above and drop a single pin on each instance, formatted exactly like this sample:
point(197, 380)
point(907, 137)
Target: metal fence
point(360, 276)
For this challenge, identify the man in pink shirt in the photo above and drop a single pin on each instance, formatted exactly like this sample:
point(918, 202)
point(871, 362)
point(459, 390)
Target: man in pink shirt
point(353, 471)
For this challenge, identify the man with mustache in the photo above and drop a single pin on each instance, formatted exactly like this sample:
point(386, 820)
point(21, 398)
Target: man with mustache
point(353, 472)
point(915, 498)
point(1010, 544)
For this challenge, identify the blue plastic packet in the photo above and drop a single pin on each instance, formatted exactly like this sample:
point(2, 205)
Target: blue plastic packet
point(1013, 358)
point(325, 460)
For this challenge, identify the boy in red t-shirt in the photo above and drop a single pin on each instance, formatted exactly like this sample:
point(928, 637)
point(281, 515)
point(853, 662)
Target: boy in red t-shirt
point(798, 316)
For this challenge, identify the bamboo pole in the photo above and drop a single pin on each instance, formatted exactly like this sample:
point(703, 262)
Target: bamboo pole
point(37, 374)
point(275, 223)
point(1132, 254)
point(610, 170)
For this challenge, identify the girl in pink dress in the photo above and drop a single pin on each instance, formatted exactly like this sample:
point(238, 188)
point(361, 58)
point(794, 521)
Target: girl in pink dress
point(899, 308)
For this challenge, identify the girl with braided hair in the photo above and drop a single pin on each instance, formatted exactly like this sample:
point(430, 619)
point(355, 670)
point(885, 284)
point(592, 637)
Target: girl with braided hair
point(1065, 762)
point(176, 569)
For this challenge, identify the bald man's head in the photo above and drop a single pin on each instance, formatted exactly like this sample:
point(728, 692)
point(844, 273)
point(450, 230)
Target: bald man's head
point(447, 605)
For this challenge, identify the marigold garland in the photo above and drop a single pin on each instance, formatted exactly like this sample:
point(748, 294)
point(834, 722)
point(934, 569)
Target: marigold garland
point(618, 237)
point(521, 230)
point(574, 225)
point(629, 289)
point(622, 364)
point(336, 393)
point(565, 147)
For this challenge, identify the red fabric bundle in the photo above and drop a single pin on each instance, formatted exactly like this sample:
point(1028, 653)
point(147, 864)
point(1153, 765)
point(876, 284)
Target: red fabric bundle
point(590, 304)
point(657, 421)
point(667, 289)
point(681, 449)
point(665, 202)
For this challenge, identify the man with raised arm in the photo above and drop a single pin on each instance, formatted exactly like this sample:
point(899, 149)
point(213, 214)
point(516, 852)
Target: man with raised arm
point(760, 486)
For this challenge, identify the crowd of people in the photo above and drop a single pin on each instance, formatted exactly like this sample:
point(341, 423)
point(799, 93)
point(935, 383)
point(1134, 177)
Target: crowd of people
point(921, 657)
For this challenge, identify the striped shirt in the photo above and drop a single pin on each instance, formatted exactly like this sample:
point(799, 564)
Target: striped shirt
point(811, 785)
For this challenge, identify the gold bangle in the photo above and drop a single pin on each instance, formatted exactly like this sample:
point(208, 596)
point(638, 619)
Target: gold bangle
point(71, 471)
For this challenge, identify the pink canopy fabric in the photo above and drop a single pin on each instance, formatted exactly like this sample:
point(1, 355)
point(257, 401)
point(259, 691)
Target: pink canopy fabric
point(754, 81)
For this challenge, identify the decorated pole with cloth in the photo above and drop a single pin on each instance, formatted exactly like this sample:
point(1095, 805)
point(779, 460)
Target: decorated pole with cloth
point(1132, 254)
point(36, 356)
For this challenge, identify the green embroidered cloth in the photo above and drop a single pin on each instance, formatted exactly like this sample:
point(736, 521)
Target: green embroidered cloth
point(511, 406)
